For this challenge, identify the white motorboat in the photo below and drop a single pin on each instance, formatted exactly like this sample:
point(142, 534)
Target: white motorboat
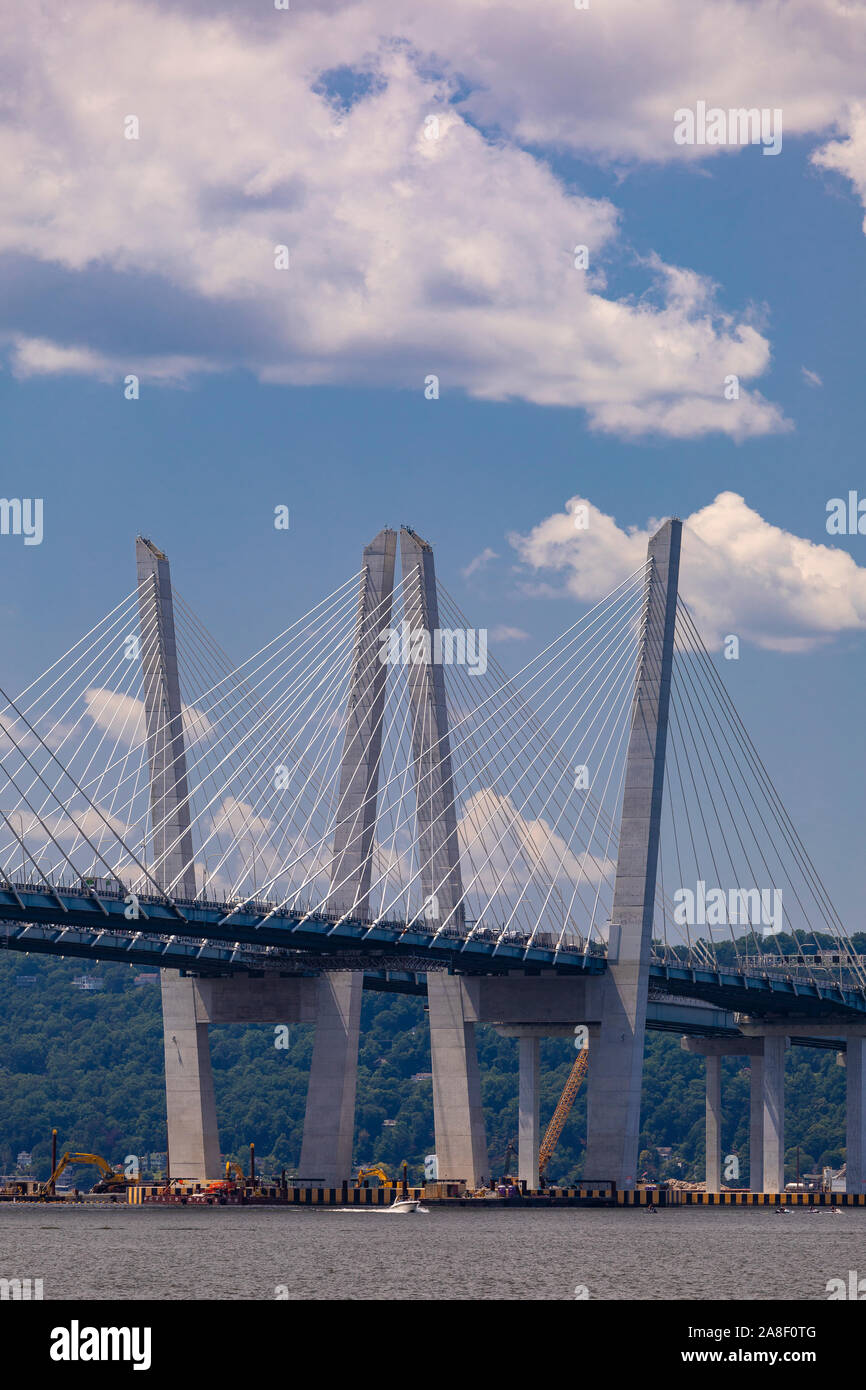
point(406, 1206)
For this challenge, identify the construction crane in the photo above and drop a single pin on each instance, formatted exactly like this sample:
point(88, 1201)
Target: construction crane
point(562, 1111)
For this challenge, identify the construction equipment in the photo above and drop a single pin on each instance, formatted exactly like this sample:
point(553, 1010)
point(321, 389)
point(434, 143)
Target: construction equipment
point(562, 1111)
point(229, 1183)
point(375, 1171)
point(109, 1181)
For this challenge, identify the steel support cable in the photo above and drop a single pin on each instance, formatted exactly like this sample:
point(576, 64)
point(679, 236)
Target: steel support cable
point(489, 737)
point(39, 810)
point(169, 765)
point(439, 764)
point(622, 760)
point(529, 770)
point(304, 680)
point(567, 843)
point(130, 682)
point(381, 730)
point(266, 742)
point(34, 683)
point(711, 761)
point(608, 676)
point(522, 747)
point(500, 814)
point(361, 669)
point(10, 704)
point(370, 660)
point(784, 822)
point(620, 702)
point(58, 722)
point(643, 656)
point(707, 837)
point(535, 660)
point(222, 663)
point(237, 773)
point(606, 820)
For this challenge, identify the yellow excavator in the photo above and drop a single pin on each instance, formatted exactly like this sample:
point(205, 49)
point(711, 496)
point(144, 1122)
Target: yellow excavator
point(374, 1171)
point(562, 1112)
point(108, 1182)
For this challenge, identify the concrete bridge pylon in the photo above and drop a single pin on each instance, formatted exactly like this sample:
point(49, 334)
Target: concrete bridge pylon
point(616, 1044)
point(193, 1137)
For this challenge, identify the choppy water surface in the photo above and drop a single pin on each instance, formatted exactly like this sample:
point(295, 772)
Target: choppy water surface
point(226, 1253)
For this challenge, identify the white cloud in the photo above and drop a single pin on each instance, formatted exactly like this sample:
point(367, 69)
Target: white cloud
point(123, 716)
point(480, 562)
point(739, 573)
point(811, 378)
point(848, 156)
point(409, 255)
point(41, 357)
point(504, 633)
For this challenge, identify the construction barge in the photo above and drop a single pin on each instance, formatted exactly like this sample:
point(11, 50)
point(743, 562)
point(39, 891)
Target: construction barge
point(437, 1194)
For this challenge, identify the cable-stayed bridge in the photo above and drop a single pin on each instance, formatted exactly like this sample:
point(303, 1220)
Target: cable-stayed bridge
point(369, 800)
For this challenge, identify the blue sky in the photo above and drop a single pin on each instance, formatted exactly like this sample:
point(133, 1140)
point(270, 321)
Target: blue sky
point(199, 462)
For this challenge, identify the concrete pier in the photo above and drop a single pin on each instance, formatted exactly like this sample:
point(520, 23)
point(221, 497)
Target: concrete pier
point(855, 1150)
point(528, 1132)
point(774, 1113)
point(461, 1143)
point(329, 1120)
point(756, 1121)
point(193, 1137)
point(714, 1124)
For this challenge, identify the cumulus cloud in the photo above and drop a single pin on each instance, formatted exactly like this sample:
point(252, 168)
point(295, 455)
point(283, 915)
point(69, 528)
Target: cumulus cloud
point(739, 573)
point(409, 255)
point(123, 716)
point(848, 156)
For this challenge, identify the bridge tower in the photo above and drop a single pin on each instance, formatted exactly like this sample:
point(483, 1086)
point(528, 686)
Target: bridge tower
point(193, 1139)
point(329, 1122)
point(616, 1045)
point(461, 1143)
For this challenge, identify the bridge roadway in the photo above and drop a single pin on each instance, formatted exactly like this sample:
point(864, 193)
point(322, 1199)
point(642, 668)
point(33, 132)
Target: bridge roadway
point(211, 938)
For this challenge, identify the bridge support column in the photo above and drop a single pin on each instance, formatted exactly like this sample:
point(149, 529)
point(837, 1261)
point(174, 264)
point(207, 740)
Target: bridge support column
point(329, 1122)
point(713, 1050)
point(616, 1065)
point(193, 1137)
point(528, 1132)
point(855, 1151)
point(714, 1124)
point(774, 1112)
point(756, 1122)
point(458, 1118)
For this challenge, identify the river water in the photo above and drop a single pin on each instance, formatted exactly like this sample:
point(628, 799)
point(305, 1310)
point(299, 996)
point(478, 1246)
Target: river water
point(240, 1253)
